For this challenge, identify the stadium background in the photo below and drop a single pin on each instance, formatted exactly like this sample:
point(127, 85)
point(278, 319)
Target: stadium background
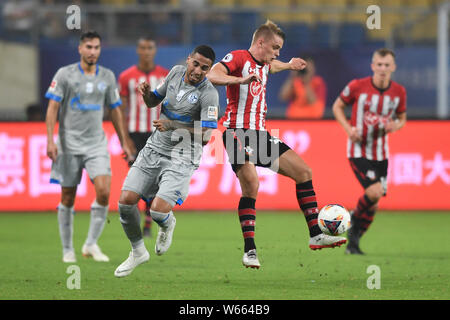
point(35, 42)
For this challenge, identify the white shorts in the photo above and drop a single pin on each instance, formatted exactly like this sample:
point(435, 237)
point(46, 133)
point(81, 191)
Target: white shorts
point(68, 168)
point(154, 174)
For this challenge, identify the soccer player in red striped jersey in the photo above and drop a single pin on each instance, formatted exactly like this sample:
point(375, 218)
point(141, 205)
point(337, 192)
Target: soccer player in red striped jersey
point(248, 144)
point(139, 120)
point(375, 101)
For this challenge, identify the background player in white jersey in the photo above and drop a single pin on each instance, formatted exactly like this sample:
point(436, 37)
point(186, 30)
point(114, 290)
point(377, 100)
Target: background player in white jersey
point(163, 168)
point(248, 144)
point(139, 119)
point(375, 101)
point(79, 92)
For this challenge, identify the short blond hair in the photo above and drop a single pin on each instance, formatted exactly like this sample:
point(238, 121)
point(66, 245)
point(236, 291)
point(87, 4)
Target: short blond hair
point(267, 30)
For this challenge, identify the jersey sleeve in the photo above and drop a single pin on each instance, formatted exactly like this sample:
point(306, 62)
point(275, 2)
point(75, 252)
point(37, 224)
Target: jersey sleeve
point(209, 111)
point(348, 95)
point(57, 87)
point(402, 104)
point(231, 61)
point(123, 86)
point(112, 98)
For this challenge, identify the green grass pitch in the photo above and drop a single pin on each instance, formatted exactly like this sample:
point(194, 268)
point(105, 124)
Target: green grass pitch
point(412, 251)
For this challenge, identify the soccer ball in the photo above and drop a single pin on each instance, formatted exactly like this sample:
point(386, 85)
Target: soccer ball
point(334, 219)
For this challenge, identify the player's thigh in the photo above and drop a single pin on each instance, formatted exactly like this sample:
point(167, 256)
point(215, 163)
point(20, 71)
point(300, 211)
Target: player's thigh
point(141, 182)
point(291, 165)
point(144, 175)
point(67, 170)
point(97, 165)
point(174, 182)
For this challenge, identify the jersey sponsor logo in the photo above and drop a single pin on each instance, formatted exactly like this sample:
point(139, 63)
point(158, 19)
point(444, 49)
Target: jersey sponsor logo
point(256, 88)
point(372, 119)
point(213, 112)
point(228, 58)
point(193, 98)
point(76, 104)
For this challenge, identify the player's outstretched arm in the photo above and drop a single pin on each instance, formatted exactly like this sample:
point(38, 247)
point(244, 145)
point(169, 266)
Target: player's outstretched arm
point(150, 99)
point(219, 76)
point(116, 118)
point(339, 114)
point(50, 122)
point(293, 64)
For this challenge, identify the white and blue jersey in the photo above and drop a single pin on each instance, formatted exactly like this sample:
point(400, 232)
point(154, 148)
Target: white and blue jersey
point(190, 105)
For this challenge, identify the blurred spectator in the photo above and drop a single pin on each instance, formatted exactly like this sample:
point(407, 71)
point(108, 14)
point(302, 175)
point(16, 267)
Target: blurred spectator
point(34, 112)
point(18, 16)
point(305, 92)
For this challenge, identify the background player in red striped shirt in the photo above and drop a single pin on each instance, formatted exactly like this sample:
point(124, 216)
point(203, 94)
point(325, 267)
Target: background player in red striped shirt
point(248, 144)
point(375, 101)
point(139, 119)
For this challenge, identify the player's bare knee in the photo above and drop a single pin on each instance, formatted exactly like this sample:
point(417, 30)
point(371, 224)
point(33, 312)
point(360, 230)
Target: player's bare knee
point(375, 192)
point(160, 205)
point(128, 197)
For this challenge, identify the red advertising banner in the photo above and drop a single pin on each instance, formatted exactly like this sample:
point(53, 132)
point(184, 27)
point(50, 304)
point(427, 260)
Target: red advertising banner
point(418, 178)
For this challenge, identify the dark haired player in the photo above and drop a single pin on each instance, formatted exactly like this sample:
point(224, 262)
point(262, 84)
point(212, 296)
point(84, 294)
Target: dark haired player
point(164, 167)
point(79, 91)
point(139, 119)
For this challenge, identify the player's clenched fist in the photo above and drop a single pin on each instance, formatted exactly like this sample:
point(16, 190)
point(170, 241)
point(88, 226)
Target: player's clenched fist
point(144, 88)
point(297, 64)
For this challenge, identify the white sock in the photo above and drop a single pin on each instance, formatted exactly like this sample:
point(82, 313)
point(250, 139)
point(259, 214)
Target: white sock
point(65, 222)
point(138, 248)
point(162, 219)
point(98, 218)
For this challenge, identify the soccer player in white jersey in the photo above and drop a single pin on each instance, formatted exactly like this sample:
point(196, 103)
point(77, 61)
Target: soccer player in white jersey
point(378, 109)
point(79, 92)
point(163, 169)
point(248, 144)
point(139, 119)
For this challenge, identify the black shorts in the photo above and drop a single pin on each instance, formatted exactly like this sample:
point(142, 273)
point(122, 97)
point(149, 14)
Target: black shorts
point(139, 139)
point(369, 172)
point(255, 146)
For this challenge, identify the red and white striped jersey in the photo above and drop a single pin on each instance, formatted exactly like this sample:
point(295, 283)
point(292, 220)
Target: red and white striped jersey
point(246, 103)
point(140, 118)
point(371, 109)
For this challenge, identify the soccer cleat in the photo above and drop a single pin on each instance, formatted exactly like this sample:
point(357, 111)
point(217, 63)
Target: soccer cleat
point(250, 259)
point(353, 250)
point(325, 241)
point(164, 239)
point(132, 262)
point(353, 234)
point(69, 257)
point(94, 252)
